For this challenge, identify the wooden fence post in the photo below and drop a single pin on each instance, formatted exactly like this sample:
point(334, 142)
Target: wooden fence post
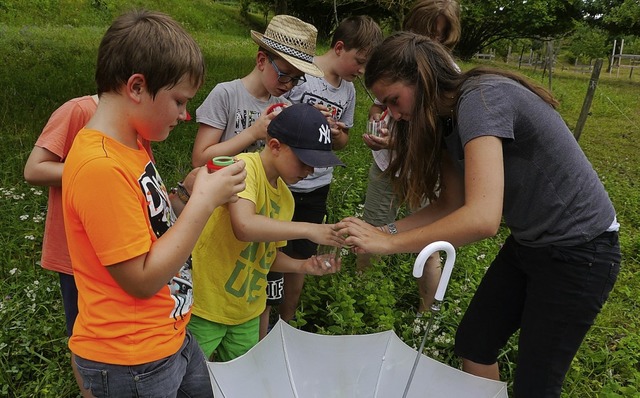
point(593, 83)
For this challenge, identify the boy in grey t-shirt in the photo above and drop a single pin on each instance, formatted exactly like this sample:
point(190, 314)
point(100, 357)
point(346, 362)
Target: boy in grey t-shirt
point(335, 94)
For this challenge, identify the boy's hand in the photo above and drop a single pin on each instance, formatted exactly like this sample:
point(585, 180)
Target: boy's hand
point(259, 128)
point(318, 266)
point(339, 131)
point(325, 234)
point(216, 189)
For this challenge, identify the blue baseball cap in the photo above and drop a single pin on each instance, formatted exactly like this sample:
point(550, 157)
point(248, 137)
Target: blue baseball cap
point(306, 131)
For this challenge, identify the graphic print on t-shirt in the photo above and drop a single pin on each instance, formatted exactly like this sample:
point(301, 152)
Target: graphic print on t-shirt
point(313, 99)
point(161, 217)
point(249, 276)
point(245, 118)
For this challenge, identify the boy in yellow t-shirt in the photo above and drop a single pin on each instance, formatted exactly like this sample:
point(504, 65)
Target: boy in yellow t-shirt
point(240, 242)
point(130, 256)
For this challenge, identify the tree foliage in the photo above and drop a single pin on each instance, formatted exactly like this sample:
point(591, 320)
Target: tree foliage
point(618, 17)
point(588, 43)
point(487, 21)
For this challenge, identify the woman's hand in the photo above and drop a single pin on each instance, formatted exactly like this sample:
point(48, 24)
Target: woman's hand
point(364, 237)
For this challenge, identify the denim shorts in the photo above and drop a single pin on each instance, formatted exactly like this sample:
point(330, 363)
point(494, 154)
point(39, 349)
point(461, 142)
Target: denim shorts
point(183, 374)
point(552, 295)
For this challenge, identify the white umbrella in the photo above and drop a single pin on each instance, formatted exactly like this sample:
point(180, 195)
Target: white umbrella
point(290, 363)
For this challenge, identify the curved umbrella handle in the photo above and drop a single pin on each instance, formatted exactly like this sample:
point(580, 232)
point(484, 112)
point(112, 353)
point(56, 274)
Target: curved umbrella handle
point(431, 248)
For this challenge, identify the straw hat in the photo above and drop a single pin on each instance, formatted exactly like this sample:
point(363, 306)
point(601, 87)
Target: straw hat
point(292, 39)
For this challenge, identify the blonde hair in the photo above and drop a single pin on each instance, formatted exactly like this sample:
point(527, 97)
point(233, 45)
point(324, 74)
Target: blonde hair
point(152, 44)
point(426, 65)
point(423, 19)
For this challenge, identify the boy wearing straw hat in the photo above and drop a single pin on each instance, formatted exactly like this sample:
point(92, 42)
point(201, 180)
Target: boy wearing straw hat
point(232, 118)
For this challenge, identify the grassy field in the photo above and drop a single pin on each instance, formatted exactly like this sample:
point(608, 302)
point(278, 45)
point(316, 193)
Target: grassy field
point(48, 54)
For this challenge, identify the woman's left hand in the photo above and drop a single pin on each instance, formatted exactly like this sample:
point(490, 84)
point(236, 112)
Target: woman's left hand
point(363, 237)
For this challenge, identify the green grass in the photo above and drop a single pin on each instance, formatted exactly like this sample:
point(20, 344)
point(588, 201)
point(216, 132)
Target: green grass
point(48, 56)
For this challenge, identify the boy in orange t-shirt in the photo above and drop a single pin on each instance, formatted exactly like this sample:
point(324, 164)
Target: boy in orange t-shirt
point(132, 271)
point(44, 168)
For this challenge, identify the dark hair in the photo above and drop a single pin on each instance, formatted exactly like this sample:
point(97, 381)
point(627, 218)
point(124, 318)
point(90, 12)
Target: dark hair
point(149, 43)
point(359, 32)
point(420, 62)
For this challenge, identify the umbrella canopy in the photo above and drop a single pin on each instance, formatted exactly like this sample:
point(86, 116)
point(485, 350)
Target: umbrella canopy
point(290, 363)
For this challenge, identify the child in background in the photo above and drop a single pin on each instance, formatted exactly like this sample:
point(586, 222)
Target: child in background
point(352, 42)
point(439, 20)
point(241, 241)
point(44, 167)
point(232, 119)
point(133, 271)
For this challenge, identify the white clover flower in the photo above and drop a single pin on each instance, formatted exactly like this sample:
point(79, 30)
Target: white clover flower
point(481, 257)
point(12, 271)
point(30, 237)
point(24, 217)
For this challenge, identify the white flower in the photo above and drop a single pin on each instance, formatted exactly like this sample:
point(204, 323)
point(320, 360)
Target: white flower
point(30, 237)
point(13, 271)
point(24, 217)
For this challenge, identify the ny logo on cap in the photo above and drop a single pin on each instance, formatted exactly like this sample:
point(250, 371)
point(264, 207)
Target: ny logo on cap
point(325, 133)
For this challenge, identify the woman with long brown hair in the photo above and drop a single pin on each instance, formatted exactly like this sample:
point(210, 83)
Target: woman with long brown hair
point(493, 147)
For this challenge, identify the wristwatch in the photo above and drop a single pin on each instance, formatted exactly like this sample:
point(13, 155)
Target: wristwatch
point(392, 228)
point(181, 192)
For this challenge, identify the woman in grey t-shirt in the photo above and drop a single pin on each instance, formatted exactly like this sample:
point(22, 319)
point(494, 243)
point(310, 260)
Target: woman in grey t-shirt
point(495, 148)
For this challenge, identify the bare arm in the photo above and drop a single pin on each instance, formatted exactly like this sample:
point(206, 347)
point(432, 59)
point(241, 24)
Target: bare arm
point(145, 275)
point(248, 226)
point(476, 218)
point(207, 144)
point(43, 168)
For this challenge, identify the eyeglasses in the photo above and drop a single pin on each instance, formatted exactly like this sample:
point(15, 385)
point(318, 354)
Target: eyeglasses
point(284, 78)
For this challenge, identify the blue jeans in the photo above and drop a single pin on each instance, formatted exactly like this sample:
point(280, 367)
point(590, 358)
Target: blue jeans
point(552, 294)
point(183, 374)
